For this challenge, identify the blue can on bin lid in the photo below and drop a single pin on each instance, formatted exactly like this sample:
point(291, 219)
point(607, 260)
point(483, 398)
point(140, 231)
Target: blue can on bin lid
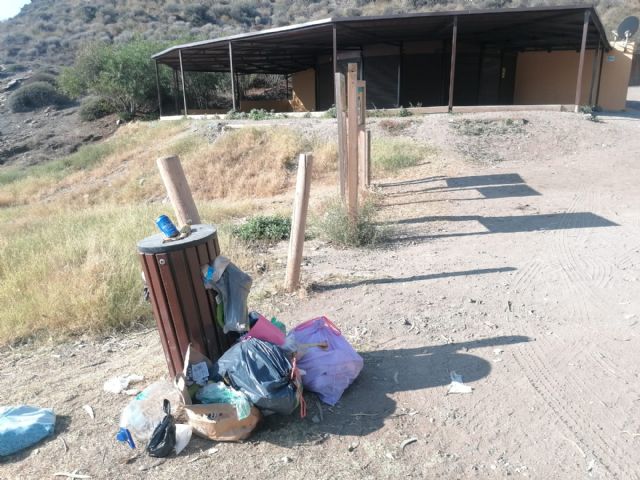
point(166, 226)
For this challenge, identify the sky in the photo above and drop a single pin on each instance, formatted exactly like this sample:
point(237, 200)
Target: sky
point(10, 8)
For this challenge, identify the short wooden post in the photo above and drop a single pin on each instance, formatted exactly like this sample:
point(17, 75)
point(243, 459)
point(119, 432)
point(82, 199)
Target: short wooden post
point(352, 146)
point(178, 190)
point(583, 46)
point(298, 222)
point(341, 107)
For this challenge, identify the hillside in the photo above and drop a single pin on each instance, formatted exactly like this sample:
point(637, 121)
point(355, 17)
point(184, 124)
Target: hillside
point(49, 32)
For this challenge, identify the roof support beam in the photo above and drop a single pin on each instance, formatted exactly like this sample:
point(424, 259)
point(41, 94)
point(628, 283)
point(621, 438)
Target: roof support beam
point(158, 89)
point(335, 63)
point(233, 78)
point(585, 31)
point(452, 72)
point(184, 87)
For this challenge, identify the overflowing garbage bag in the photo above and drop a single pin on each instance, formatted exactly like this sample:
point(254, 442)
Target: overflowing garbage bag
point(23, 426)
point(264, 373)
point(329, 362)
point(145, 412)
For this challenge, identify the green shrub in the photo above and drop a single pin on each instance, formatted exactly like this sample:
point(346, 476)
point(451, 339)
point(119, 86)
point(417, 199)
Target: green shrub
point(266, 228)
point(336, 227)
point(404, 112)
point(331, 113)
point(36, 95)
point(43, 77)
point(14, 68)
point(393, 154)
point(94, 108)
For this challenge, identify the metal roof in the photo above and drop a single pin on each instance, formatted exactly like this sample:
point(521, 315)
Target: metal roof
point(296, 47)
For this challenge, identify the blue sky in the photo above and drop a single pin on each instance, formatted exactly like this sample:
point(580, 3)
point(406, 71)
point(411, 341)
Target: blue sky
point(10, 8)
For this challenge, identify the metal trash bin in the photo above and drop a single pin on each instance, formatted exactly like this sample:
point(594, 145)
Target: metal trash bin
point(184, 310)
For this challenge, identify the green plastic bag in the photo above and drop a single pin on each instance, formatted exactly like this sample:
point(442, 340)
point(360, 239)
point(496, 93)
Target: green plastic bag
point(220, 393)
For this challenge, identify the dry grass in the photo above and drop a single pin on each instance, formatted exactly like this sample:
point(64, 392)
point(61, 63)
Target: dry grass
point(67, 245)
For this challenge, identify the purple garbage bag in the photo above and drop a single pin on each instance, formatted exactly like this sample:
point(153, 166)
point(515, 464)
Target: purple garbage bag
point(327, 371)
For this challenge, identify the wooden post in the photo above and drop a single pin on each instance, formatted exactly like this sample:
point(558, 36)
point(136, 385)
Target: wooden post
point(583, 45)
point(298, 222)
point(158, 88)
point(362, 136)
point(233, 77)
point(602, 53)
point(341, 107)
point(352, 145)
point(452, 72)
point(175, 91)
point(178, 190)
point(184, 87)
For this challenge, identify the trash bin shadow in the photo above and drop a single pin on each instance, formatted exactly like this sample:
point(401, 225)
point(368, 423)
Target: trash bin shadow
point(365, 406)
point(63, 422)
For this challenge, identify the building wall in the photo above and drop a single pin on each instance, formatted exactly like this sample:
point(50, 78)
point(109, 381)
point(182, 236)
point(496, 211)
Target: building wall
point(544, 78)
point(303, 85)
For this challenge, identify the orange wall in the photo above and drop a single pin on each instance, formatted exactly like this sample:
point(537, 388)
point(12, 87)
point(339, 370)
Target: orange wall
point(304, 91)
point(544, 78)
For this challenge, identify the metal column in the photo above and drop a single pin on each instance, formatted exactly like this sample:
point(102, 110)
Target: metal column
point(452, 74)
point(233, 77)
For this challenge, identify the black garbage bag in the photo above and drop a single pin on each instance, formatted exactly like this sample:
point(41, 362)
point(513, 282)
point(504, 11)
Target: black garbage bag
point(163, 440)
point(262, 371)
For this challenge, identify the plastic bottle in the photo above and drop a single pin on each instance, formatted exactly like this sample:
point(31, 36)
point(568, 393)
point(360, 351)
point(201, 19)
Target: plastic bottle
point(144, 413)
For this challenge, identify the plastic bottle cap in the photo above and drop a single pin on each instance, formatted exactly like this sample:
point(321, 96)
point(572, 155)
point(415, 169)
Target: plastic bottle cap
point(124, 435)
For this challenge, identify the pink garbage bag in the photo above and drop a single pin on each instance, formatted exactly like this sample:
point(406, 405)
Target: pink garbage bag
point(327, 371)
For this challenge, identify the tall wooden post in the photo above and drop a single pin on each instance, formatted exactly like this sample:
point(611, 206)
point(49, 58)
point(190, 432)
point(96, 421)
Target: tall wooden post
point(178, 190)
point(233, 77)
point(585, 31)
point(341, 108)
point(363, 167)
point(599, 76)
point(298, 221)
point(184, 86)
point(175, 91)
point(352, 146)
point(158, 89)
point(452, 72)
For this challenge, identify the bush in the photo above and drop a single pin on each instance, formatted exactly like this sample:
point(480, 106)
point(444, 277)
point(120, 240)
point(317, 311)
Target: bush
point(43, 77)
point(265, 228)
point(404, 112)
point(36, 95)
point(392, 154)
point(336, 227)
point(94, 108)
point(331, 113)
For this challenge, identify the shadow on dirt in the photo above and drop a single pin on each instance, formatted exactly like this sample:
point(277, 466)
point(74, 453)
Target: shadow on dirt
point(323, 287)
point(369, 402)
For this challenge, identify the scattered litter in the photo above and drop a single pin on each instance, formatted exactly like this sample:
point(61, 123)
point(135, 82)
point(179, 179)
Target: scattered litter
point(395, 377)
point(457, 386)
point(490, 325)
point(73, 474)
point(509, 304)
point(287, 459)
point(89, 410)
point(64, 444)
point(23, 426)
point(183, 437)
point(591, 465)
point(408, 441)
point(634, 435)
point(497, 351)
point(121, 384)
point(353, 446)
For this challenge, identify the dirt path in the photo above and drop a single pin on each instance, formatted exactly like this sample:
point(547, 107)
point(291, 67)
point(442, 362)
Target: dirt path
point(521, 275)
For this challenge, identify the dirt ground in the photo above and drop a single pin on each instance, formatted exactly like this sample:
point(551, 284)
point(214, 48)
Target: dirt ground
point(519, 271)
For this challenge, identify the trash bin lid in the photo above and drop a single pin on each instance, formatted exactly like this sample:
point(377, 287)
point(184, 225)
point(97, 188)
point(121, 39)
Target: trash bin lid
point(200, 233)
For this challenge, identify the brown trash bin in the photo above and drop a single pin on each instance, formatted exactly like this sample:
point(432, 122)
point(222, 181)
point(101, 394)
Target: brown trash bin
point(184, 310)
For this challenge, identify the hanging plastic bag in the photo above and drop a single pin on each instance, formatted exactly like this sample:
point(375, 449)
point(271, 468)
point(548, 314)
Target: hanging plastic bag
point(264, 373)
point(220, 393)
point(327, 371)
point(163, 440)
